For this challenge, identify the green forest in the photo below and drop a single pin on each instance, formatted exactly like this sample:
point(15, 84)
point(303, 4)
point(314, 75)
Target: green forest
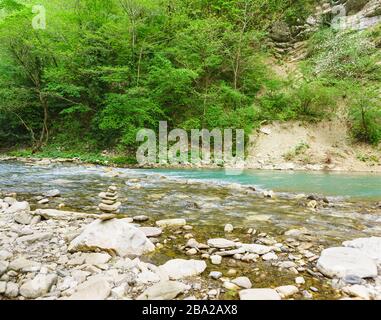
point(103, 69)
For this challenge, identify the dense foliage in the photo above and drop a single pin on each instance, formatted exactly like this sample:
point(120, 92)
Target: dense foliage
point(103, 69)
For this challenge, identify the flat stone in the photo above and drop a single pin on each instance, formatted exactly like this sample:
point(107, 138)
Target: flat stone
point(215, 275)
point(357, 291)
point(164, 290)
point(141, 218)
point(171, 223)
point(259, 294)
point(109, 208)
point(340, 262)
point(92, 289)
point(52, 193)
point(64, 215)
point(178, 268)
point(151, 231)
point(43, 201)
point(35, 237)
point(230, 286)
point(287, 291)
point(116, 236)
point(270, 256)
point(39, 286)
point(243, 282)
point(371, 247)
point(24, 265)
point(97, 258)
point(256, 248)
point(221, 243)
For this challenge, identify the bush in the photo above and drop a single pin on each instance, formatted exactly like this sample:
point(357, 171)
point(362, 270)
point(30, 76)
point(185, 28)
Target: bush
point(365, 116)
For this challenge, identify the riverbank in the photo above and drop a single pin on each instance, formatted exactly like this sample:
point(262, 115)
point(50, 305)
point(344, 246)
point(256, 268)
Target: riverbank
point(322, 146)
point(197, 240)
point(127, 162)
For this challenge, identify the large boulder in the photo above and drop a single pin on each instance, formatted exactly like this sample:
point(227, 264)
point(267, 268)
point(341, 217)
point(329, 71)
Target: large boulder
point(115, 236)
point(341, 262)
point(371, 247)
point(178, 268)
point(280, 32)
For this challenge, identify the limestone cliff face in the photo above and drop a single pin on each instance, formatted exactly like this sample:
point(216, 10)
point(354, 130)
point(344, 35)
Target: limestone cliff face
point(339, 14)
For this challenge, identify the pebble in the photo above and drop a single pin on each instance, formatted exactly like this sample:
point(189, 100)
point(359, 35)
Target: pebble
point(230, 286)
point(300, 280)
point(287, 291)
point(228, 228)
point(215, 259)
point(215, 275)
point(270, 256)
point(191, 252)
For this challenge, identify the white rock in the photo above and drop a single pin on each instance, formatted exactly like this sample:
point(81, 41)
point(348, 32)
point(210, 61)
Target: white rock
point(230, 286)
point(3, 267)
point(18, 207)
point(39, 286)
point(215, 275)
point(3, 287)
point(97, 258)
point(221, 243)
point(147, 276)
point(171, 223)
point(287, 291)
point(23, 217)
point(164, 290)
point(92, 289)
point(371, 247)
point(259, 294)
point(52, 193)
point(116, 235)
point(270, 256)
point(228, 228)
point(215, 259)
point(35, 237)
point(178, 268)
point(357, 291)
point(24, 265)
point(256, 248)
point(12, 290)
point(151, 231)
point(340, 262)
point(300, 280)
point(5, 255)
point(243, 282)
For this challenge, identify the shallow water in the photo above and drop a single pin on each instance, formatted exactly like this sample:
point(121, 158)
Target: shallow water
point(204, 198)
point(349, 185)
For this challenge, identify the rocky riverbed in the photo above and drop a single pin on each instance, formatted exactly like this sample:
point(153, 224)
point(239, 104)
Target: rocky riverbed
point(175, 239)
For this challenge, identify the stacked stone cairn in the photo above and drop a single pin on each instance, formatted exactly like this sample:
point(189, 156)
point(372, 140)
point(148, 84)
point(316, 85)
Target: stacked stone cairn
point(109, 202)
